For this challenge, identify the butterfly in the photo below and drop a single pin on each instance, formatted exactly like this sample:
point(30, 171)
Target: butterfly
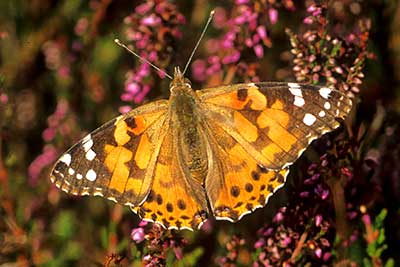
point(218, 152)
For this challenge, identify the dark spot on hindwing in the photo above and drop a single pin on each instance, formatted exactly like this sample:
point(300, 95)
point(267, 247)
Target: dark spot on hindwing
point(181, 204)
point(248, 187)
point(255, 175)
point(159, 199)
point(242, 94)
point(235, 191)
point(261, 200)
point(249, 206)
point(270, 188)
point(170, 208)
point(280, 178)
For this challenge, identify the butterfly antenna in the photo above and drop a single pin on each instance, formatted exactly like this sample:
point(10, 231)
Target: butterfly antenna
point(118, 42)
point(198, 42)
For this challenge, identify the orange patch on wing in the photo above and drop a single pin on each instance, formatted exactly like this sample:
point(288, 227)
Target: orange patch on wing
point(115, 162)
point(230, 100)
point(134, 184)
point(143, 152)
point(245, 127)
point(143, 122)
point(276, 121)
point(270, 151)
point(277, 105)
point(121, 133)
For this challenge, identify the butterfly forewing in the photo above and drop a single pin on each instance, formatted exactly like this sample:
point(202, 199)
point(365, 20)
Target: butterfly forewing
point(114, 161)
point(274, 122)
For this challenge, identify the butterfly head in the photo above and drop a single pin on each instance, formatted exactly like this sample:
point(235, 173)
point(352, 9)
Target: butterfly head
point(179, 81)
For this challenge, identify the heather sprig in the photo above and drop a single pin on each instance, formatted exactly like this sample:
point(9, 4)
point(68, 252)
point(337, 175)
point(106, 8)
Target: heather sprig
point(322, 58)
point(245, 35)
point(159, 243)
point(152, 30)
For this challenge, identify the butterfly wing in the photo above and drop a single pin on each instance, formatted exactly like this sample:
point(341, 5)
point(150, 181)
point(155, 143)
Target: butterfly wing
point(176, 200)
point(117, 160)
point(257, 131)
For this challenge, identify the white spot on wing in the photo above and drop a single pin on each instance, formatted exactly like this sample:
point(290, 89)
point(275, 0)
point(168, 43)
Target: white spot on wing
point(298, 101)
point(309, 119)
point(88, 144)
point(79, 176)
point(71, 171)
point(66, 158)
point(86, 138)
point(293, 85)
point(325, 92)
point(322, 113)
point(91, 175)
point(327, 105)
point(90, 155)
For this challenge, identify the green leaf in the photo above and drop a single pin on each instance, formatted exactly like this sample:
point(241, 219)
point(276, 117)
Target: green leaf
point(64, 226)
point(389, 263)
point(367, 262)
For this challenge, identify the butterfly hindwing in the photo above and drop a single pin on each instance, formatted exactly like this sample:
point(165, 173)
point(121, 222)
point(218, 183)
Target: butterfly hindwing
point(114, 161)
point(237, 183)
point(176, 201)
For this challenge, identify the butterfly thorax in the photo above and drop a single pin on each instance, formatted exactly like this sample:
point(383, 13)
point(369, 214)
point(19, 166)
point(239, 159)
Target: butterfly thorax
point(185, 121)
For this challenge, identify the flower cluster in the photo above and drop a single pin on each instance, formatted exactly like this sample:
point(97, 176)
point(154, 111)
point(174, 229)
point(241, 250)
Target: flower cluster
point(232, 246)
point(62, 123)
point(152, 28)
point(246, 30)
point(322, 58)
point(159, 243)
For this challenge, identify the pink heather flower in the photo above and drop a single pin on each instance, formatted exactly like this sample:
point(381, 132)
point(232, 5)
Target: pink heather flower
point(273, 15)
point(318, 252)
point(241, 2)
point(278, 217)
point(232, 58)
point(260, 243)
point(178, 252)
point(137, 234)
point(305, 194)
point(124, 109)
point(199, 70)
point(262, 32)
point(132, 88)
point(151, 20)
point(366, 219)
point(48, 156)
point(49, 134)
point(327, 256)
point(219, 18)
point(318, 220)
point(81, 26)
point(259, 51)
point(143, 8)
point(127, 97)
point(3, 98)
point(311, 8)
point(308, 20)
